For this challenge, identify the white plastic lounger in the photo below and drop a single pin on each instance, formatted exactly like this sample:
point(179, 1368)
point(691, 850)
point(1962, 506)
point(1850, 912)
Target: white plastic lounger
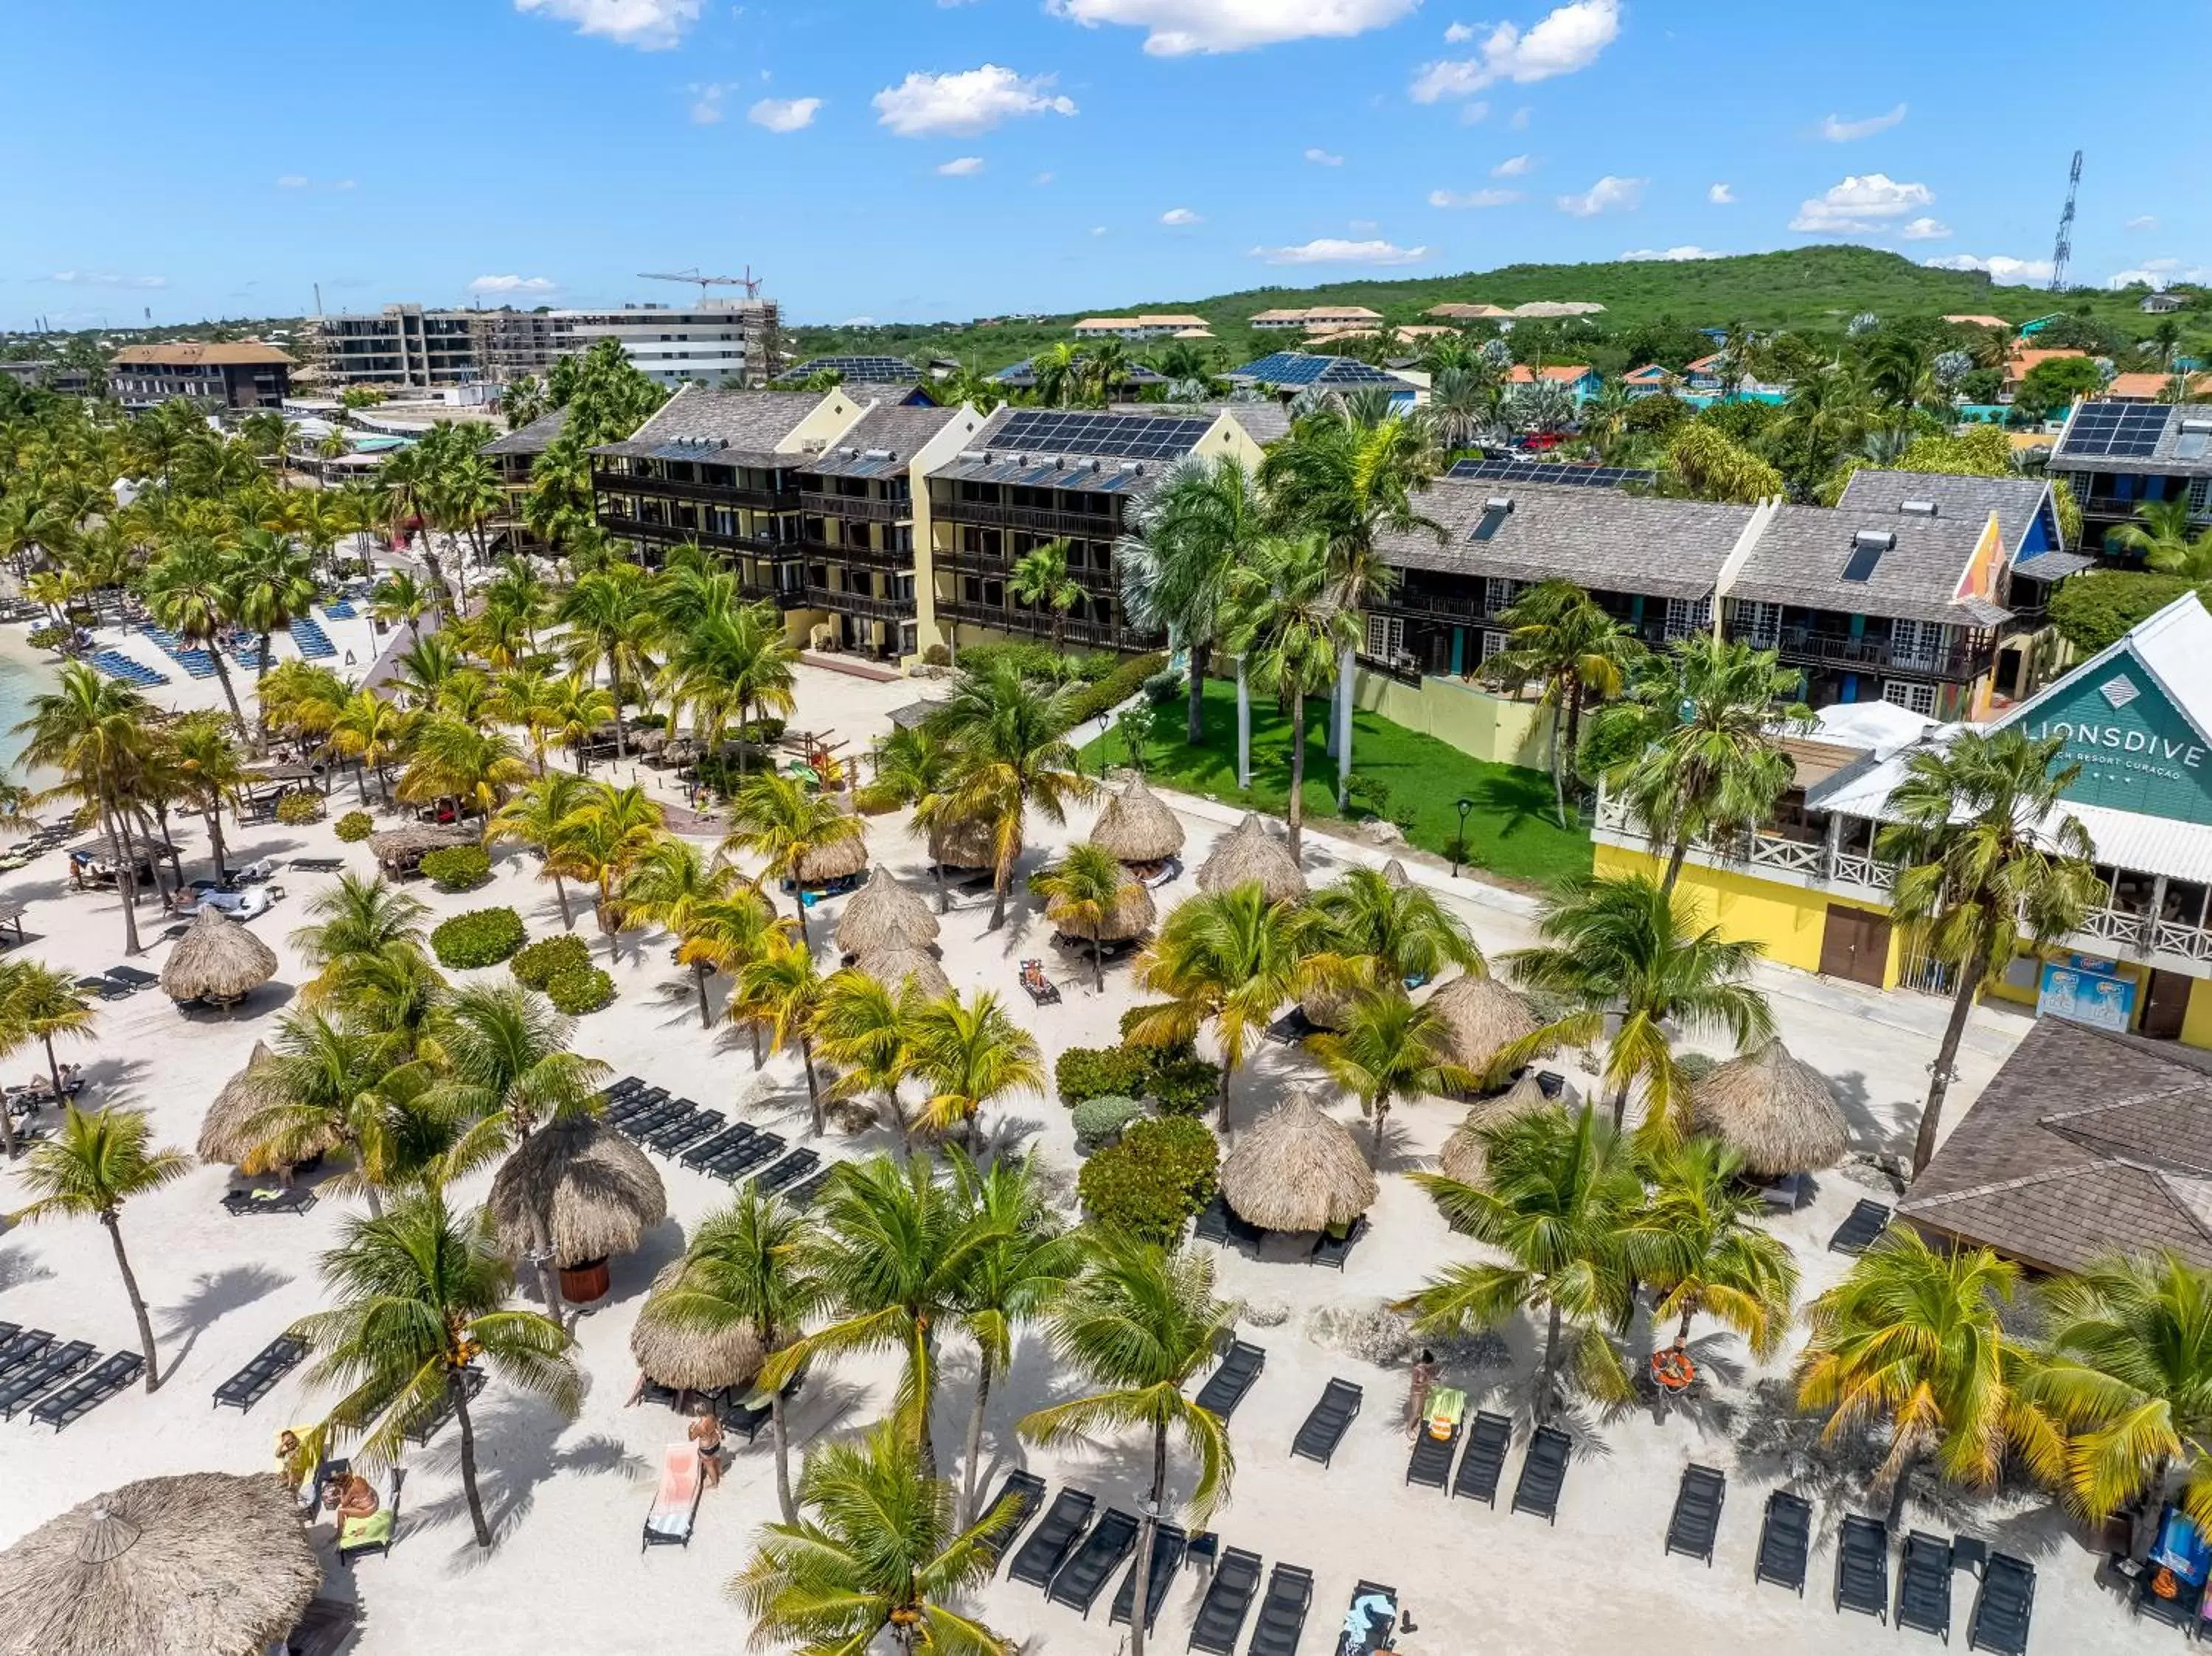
point(676, 1508)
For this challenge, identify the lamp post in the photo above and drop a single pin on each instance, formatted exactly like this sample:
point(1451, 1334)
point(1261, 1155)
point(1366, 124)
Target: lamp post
point(1459, 846)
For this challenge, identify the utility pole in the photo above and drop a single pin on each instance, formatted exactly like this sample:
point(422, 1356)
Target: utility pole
point(2062, 252)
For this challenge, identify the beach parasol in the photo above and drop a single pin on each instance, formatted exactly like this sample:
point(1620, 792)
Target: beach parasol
point(1484, 1017)
point(1462, 1155)
point(892, 968)
point(649, 743)
point(218, 961)
point(592, 1190)
point(838, 860)
point(223, 1136)
point(1136, 828)
point(1781, 1114)
point(1131, 915)
point(688, 1358)
point(885, 914)
point(399, 850)
point(205, 1564)
point(971, 844)
point(1297, 1168)
point(1248, 852)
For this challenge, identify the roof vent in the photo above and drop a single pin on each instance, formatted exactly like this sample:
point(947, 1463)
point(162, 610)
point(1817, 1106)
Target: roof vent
point(875, 454)
point(2197, 425)
point(975, 454)
point(1917, 508)
point(1875, 540)
point(1498, 503)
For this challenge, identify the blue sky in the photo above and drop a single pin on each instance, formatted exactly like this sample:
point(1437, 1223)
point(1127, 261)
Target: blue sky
point(925, 159)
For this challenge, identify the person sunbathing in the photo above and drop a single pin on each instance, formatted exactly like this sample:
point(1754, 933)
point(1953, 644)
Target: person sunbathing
point(352, 1496)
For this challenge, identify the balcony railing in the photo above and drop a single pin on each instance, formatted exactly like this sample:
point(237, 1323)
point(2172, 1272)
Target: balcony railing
point(1085, 526)
point(857, 508)
point(865, 557)
point(716, 494)
point(856, 603)
point(1801, 644)
point(1413, 601)
point(1039, 624)
point(619, 523)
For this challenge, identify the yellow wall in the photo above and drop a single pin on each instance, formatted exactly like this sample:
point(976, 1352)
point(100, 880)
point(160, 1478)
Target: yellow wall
point(1476, 722)
point(2197, 1022)
point(1786, 923)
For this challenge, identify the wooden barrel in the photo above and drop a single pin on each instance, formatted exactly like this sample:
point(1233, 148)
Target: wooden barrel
point(581, 1284)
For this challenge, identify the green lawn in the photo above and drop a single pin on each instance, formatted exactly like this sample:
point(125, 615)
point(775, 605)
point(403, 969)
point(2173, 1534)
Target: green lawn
point(1511, 830)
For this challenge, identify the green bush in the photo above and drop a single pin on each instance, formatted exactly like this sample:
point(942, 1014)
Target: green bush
point(1099, 1121)
point(1372, 791)
point(298, 810)
point(1029, 660)
point(1117, 686)
point(585, 989)
point(1187, 1086)
point(51, 636)
point(875, 799)
point(548, 958)
point(457, 868)
point(1159, 1174)
point(1087, 1072)
point(937, 656)
point(760, 731)
point(1164, 687)
point(482, 937)
point(1158, 1055)
point(354, 826)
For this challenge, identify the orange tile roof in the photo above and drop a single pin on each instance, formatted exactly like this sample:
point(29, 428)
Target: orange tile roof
point(201, 353)
point(1565, 374)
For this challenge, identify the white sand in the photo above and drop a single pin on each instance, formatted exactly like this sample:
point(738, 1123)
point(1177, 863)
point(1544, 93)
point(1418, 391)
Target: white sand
point(568, 1499)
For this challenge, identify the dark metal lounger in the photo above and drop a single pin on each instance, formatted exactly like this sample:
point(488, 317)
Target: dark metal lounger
point(1923, 1585)
point(1862, 1567)
point(697, 1155)
point(1785, 1537)
point(1696, 1524)
point(741, 1417)
point(1227, 1601)
point(1430, 1463)
point(793, 1167)
point(1218, 1223)
point(86, 1392)
point(1484, 1463)
point(1334, 1251)
point(1169, 1542)
point(254, 1382)
point(755, 1152)
point(1054, 1538)
point(49, 1370)
point(1080, 1581)
point(434, 1422)
point(672, 1135)
point(297, 1199)
point(802, 1194)
point(1225, 1387)
point(1376, 1637)
point(1282, 1613)
point(22, 1348)
point(1330, 1419)
point(132, 977)
point(1858, 1234)
point(2004, 1607)
point(1543, 1473)
point(1026, 1491)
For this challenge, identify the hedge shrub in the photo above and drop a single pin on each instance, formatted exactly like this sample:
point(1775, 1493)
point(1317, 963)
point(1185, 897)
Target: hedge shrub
point(548, 958)
point(1164, 687)
point(298, 810)
point(1099, 1121)
point(875, 799)
point(1087, 1072)
point(354, 826)
point(1167, 1054)
point(51, 636)
point(1117, 686)
point(1152, 1181)
point(457, 868)
point(584, 990)
point(482, 937)
point(1184, 1086)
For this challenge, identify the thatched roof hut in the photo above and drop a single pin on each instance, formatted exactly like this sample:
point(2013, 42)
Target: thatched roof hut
point(1780, 1113)
point(205, 1564)
point(681, 750)
point(400, 850)
point(1132, 916)
point(1297, 1168)
point(596, 1191)
point(1462, 1155)
point(1136, 827)
point(224, 1138)
point(885, 913)
point(972, 844)
point(649, 743)
point(217, 960)
point(893, 967)
point(1395, 875)
point(1485, 1017)
point(1248, 852)
point(687, 1358)
point(833, 862)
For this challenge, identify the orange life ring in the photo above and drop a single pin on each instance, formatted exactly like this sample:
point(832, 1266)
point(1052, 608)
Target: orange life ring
point(1672, 1369)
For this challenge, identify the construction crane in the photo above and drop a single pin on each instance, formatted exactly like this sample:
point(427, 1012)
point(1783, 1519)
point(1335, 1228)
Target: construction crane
point(749, 282)
point(2063, 252)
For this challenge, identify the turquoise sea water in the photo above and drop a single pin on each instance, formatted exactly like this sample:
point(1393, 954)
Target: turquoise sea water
point(24, 673)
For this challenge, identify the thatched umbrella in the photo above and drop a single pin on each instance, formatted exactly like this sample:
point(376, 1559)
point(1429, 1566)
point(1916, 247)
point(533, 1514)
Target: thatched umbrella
point(1297, 1168)
point(399, 851)
point(205, 1564)
point(217, 960)
point(1136, 828)
point(885, 914)
point(836, 861)
point(1131, 916)
point(649, 743)
point(971, 844)
point(893, 967)
point(681, 750)
point(223, 1137)
point(687, 1358)
point(1249, 852)
point(1395, 875)
point(1485, 1017)
point(1462, 1155)
point(580, 1190)
point(1780, 1113)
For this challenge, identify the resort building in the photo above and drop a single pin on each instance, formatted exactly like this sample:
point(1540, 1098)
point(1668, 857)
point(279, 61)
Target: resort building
point(1584, 381)
point(1316, 320)
point(2161, 303)
point(723, 343)
point(2119, 456)
point(2021, 362)
point(1468, 312)
point(41, 374)
point(233, 375)
point(1136, 327)
point(509, 344)
point(1287, 374)
point(514, 455)
point(400, 345)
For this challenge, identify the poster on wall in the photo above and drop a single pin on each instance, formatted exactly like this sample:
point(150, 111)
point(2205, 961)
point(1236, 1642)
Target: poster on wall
point(2089, 992)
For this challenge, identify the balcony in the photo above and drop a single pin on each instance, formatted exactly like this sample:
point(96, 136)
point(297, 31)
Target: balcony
point(646, 529)
point(861, 557)
point(857, 509)
point(1085, 526)
point(1453, 606)
point(1956, 665)
point(1035, 624)
point(713, 494)
point(857, 604)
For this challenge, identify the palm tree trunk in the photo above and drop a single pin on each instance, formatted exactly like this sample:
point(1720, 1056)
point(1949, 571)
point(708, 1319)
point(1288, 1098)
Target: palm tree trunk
point(229, 690)
point(1375, 1143)
point(1939, 1079)
point(799, 905)
point(1098, 962)
point(944, 892)
point(1899, 1492)
point(1244, 726)
point(126, 877)
point(1682, 1330)
point(1546, 1377)
point(973, 1462)
point(614, 684)
point(458, 1387)
point(926, 1389)
point(560, 896)
point(1000, 878)
point(1224, 1094)
point(1619, 1105)
point(813, 1087)
point(114, 1222)
point(781, 1434)
point(1558, 787)
point(1148, 1529)
point(1298, 768)
point(214, 814)
point(1674, 865)
point(1345, 684)
point(1191, 733)
point(7, 1145)
point(549, 1274)
point(703, 971)
point(53, 1069)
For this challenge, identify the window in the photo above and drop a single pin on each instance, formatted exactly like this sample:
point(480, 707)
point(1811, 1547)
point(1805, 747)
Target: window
point(2200, 497)
point(1916, 644)
point(1911, 693)
point(1386, 637)
point(1500, 593)
point(1494, 644)
point(1688, 615)
point(1760, 624)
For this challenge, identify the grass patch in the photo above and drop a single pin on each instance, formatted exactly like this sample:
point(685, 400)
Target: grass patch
point(1511, 831)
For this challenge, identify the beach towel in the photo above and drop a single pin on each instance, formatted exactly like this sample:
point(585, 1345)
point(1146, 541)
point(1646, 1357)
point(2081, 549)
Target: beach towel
point(672, 1509)
point(373, 1531)
point(1447, 1407)
point(1369, 1614)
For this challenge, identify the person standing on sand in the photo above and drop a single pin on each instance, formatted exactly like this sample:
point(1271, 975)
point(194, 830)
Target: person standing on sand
point(1425, 1380)
point(706, 1431)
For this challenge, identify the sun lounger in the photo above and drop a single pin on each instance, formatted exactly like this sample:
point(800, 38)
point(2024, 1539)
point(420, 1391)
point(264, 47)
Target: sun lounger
point(1054, 1538)
point(1041, 990)
point(699, 1154)
point(2004, 1607)
point(1232, 1378)
point(296, 1199)
point(7, 1332)
point(754, 1154)
point(802, 1194)
point(1370, 1620)
point(41, 1375)
point(317, 864)
point(434, 1422)
point(360, 1536)
point(1785, 1537)
point(1543, 1473)
point(1856, 1234)
point(1923, 1585)
point(1334, 1251)
point(323, 1627)
point(254, 1382)
point(1862, 1567)
point(681, 1129)
point(790, 1170)
point(1282, 1613)
point(622, 1087)
point(1696, 1524)
point(1227, 1601)
point(1330, 1419)
point(22, 1348)
point(132, 978)
point(1026, 1491)
point(1078, 1582)
point(101, 989)
point(744, 1414)
point(676, 1507)
point(84, 1394)
point(1219, 1224)
point(1169, 1542)
point(1484, 1463)
point(1430, 1465)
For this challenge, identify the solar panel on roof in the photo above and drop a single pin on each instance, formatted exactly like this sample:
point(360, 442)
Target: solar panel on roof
point(858, 370)
point(1513, 469)
point(2124, 429)
point(1124, 436)
point(1297, 368)
point(1867, 548)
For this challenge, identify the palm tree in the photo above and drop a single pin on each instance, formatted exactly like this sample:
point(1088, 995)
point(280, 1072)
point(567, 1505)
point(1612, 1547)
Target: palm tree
point(728, 933)
point(206, 765)
point(426, 666)
point(883, 1551)
point(1698, 1243)
point(1229, 960)
point(602, 839)
point(780, 989)
point(1913, 1339)
point(861, 1025)
point(1387, 934)
point(331, 1084)
point(1561, 639)
point(1011, 751)
point(1174, 565)
point(373, 731)
point(93, 732)
point(450, 758)
point(526, 696)
point(272, 583)
point(421, 1293)
point(967, 1055)
point(1388, 1049)
point(1630, 956)
point(88, 1170)
point(1555, 1194)
point(729, 666)
point(1285, 619)
point(2167, 538)
point(1988, 856)
point(38, 1002)
point(1139, 1323)
point(610, 624)
point(1462, 402)
point(783, 821)
point(1039, 580)
point(1081, 891)
point(671, 886)
point(357, 920)
point(397, 598)
point(508, 1061)
point(535, 817)
point(743, 1267)
point(578, 710)
point(189, 590)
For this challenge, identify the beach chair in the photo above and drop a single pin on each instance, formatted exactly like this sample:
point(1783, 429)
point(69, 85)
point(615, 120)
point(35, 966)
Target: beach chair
point(1227, 1601)
point(42, 1374)
point(254, 1382)
point(1041, 990)
point(360, 1536)
point(7, 1332)
point(1430, 1465)
point(295, 1199)
point(86, 1392)
point(1862, 1567)
point(789, 1171)
point(1923, 1585)
point(1026, 1491)
point(2004, 1607)
point(1212, 1224)
point(1334, 1251)
point(681, 1129)
point(317, 864)
point(802, 1195)
point(1369, 1621)
point(132, 979)
point(1543, 1473)
point(22, 1348)
point(742, 1416)
point(1054, 1538)
point(1282, 1615)
point(1785, 1537)
point(1696, 1524)
point(1231, 1378)
point(676, 1505)
point(431, 1424)
point(758, 1151)
point(1330, 1419)
point(1078, 1582)
point(697, 1157)
point(324, 1628)
point(1856, 1234)
point(1484, 1463)
point(1169, 1542)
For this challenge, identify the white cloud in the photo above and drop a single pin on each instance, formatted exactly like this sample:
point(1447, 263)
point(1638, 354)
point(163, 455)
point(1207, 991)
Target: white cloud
point(2134, 279)
point(1333, 250)
point(784, 114)
point(2146, 222)
point(1511, 167)
point(1097, 229)
point(1608, 195)
point(1722, 195)
point(1321, 157)
point(1473, 197)
point(961, 166)
point(1668, 255)
point(292, 181)
point(1837, 130)
point(857, 322)
point(1176, 29)
point(1179, 216)
point(707, 102)
point(2018, 272)
point(1459, 34)
point(1566, 40)
point(648, 25)
point(965, 103)
point(1924, 229)
point(513, 284)
point(1862, 205)
point(2155, 273)
point(1519, 120)
point(106, 279)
